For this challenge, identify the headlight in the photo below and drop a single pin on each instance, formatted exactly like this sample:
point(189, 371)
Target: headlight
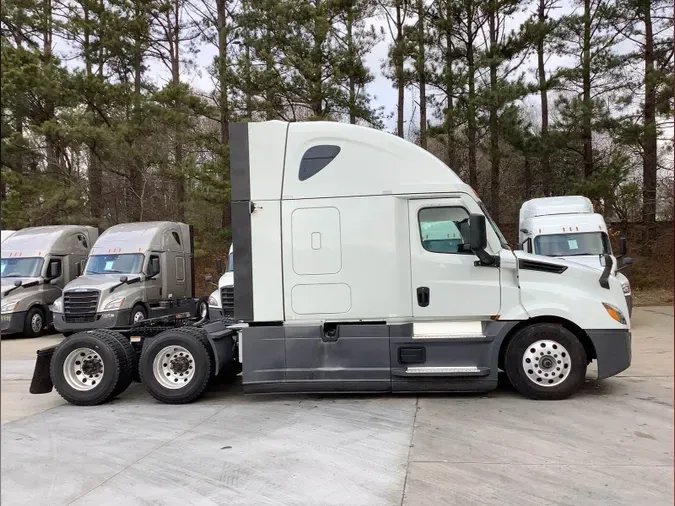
point(213, 302)
point(615, 313)
point(114, 304)
point(625, 286)
point(8, 307)
point(57, 307)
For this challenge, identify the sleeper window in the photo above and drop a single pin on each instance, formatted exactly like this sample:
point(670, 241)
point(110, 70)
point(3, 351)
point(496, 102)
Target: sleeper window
point(444, 229)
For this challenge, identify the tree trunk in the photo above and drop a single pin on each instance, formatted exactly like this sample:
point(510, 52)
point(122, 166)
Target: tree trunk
point(51, 143)
point(351, 56)
point(175, 80)
point(451, 149)
point(94, 167)
point(527, 168)
point(471, 106)
point(494, 118)
point(134, 205)
point(543, 91)
point(398, 70)
point(586, 127)
point(421, 73)
point(649, 166)
point(221, 6)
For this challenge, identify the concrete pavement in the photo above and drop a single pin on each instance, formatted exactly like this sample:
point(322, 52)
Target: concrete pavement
point(611, 444)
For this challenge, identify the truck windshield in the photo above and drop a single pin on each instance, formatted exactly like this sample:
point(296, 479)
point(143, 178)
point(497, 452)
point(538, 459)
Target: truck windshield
point(230, 263)
point(21, 267)
point(502, 240)
point(568, 245)
point(114, 264)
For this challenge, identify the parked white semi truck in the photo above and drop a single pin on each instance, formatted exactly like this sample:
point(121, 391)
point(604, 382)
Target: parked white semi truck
point(569, 228)
point(339, 288)
point(221, 301)
point(37, 262)
point(134, 271)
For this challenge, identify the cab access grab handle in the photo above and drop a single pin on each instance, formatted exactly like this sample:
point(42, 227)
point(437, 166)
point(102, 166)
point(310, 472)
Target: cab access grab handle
point(423, 296)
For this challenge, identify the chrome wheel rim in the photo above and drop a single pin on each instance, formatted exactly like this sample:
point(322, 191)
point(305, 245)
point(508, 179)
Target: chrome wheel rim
point(36, 322)
point(138, 316)
point(83, 369)
point(547, 363)
point(173, 367)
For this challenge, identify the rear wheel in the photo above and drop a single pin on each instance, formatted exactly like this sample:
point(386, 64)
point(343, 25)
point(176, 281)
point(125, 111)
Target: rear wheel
point(34, 325)
point(130, 371)
point(176, 366)
point(86, 369)
point(545, 361)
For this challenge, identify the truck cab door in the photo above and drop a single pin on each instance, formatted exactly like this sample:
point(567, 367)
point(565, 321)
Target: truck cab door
point(446, 282)
point(153, 287)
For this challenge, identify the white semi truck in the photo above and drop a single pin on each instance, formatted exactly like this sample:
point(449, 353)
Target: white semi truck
point(569, 228)
point(37, 262)
point(221, 301)
point(339, 287)
point(134, 271)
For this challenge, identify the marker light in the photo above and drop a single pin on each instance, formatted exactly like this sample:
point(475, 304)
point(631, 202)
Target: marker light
point(615, 313)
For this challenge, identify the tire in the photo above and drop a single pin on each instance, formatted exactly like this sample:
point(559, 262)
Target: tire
point(130, 372)
point(203, 309)
point(185, 359)
point(34, 324)
point(101, 348)
point(557, 362)
point(136, 311)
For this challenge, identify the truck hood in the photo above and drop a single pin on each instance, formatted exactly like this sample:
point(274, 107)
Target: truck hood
point(8, 284)
point(102, 282)
point(562, 261)
point(226, 279)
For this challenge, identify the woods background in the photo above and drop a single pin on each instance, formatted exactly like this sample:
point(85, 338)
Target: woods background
point(522, 98)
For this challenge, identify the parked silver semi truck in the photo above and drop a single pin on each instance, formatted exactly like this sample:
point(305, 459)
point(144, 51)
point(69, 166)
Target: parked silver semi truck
point(339, 287)
point(36, 264)
point(134, 271)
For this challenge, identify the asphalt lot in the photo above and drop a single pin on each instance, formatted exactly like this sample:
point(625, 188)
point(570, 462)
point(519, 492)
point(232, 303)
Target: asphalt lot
point(610, 445)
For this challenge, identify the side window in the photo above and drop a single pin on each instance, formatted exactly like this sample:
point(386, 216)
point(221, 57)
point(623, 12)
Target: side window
point(83, 240)
point(180, 270)
point(315, 159)
point(176, 237)
point(445, 229)
point(54, 268)
point(153, 265)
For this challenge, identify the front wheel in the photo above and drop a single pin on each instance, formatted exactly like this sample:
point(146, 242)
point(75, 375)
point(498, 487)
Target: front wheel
point(545, 361)
point(138, 314)
point(175, 367)
point(34, 325)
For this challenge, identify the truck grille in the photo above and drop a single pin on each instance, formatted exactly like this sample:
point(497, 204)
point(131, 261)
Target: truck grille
point(80, 307)
point(227, 300)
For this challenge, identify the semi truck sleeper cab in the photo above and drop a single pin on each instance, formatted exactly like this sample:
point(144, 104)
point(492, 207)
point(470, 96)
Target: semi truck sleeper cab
point(364, 264)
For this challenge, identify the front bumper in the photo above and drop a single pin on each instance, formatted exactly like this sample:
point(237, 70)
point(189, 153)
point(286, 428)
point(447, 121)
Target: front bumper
point(12, 323)
point(612, 350)
point(103, 320)
point(215, 313)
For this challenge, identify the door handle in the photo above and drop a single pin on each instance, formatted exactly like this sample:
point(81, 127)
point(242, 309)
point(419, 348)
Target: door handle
point(423, 296)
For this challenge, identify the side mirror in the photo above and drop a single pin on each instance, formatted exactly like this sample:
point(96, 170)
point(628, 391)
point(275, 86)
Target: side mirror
point(219, 266)
point(208, 279)
point(623, 247)
point(477, 232)
point(78, 269)
point(627, 262)
point(54, 270)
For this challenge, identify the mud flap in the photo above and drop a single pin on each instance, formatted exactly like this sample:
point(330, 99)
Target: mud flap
point(42, 381)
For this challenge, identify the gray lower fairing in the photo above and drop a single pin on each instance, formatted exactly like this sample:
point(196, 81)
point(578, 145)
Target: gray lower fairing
point(368, 357)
